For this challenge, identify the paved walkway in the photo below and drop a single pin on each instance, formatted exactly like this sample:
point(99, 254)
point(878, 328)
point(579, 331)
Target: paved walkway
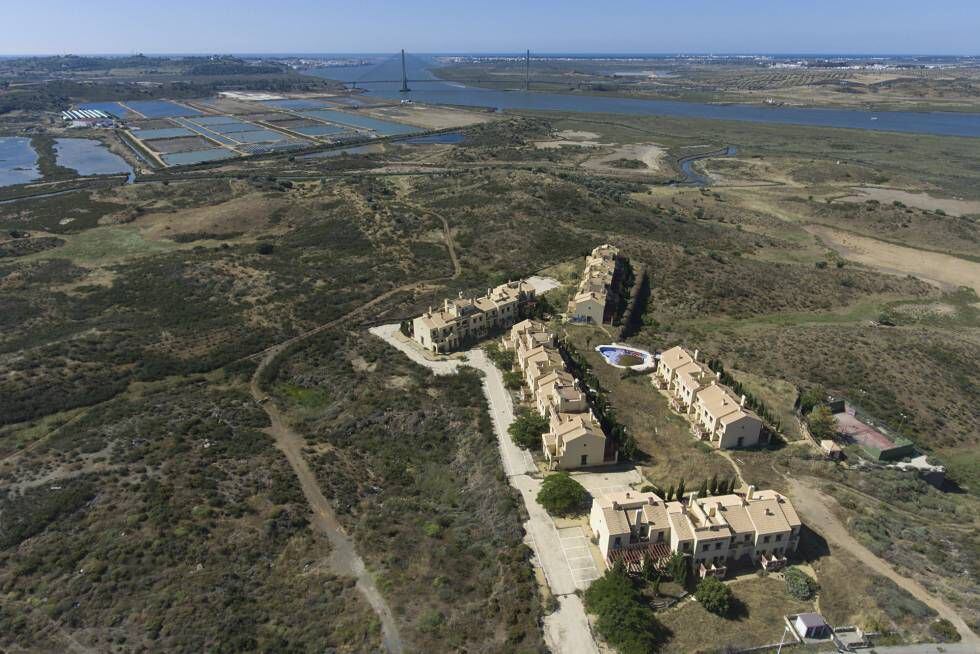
point(567, 629)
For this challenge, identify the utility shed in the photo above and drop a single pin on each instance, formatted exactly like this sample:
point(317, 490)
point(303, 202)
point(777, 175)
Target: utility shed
point(812, 625)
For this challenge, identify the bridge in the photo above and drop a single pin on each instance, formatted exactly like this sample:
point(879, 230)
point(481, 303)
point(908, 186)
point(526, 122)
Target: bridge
point(405, 80)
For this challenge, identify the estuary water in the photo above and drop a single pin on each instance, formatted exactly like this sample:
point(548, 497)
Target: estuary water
point(18, 161)
point(432, 90)
point(89, 157)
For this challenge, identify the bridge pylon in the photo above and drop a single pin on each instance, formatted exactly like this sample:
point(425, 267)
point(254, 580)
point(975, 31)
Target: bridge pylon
point(404, 88)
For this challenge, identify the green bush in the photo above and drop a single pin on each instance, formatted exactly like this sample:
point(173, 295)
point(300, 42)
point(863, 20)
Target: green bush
point(800, 585)
point(624, 620)
point(526, 430)
point(714, 596)
point(944, 631)
point(513, 380)
point(562, 495)
point(503, 359)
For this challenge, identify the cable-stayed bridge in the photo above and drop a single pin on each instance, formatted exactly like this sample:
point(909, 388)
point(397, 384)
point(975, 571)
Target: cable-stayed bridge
point(407, 69)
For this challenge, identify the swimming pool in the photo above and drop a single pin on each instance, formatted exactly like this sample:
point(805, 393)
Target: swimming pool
point(624, 356)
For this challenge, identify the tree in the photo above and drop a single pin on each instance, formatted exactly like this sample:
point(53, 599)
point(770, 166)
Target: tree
point(800, 585)
point(677, 567)
point(822, 423)
point(713, 485)
point(649, 570)
point(624, 620)
point(513, 380)
point(503, 359)
point(669, 495)
point(680, 490)
point(527, 428)
point(811, 398)
point(703, 488)
point(714, 596)
point(562, 495)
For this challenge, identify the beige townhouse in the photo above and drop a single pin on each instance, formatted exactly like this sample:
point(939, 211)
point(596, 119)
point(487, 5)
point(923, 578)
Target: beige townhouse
point(757, 528)
point(463, 321)
point(723, 420)
point(576, 442)
point(588, 305)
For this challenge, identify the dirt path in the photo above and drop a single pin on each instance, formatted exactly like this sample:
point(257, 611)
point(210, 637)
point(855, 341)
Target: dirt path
point(814, 508)
point(943, 270)
point(344, 559)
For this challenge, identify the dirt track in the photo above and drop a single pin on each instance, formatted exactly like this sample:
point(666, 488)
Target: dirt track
point(814, 508)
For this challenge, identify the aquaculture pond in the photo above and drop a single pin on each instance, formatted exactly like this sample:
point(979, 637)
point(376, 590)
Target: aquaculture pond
point(18, 161)
point(89, 157)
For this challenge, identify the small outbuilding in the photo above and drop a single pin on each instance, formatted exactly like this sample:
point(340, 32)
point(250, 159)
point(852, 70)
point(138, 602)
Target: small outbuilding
point(831, 450)
point(812, 626)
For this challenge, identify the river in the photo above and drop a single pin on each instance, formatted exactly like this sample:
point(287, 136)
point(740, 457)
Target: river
point(435, 91)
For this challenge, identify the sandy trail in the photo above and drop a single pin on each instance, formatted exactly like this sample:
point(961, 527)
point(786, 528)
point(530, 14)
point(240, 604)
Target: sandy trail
point(814, 508)
point(924, 201)
point(942, 270)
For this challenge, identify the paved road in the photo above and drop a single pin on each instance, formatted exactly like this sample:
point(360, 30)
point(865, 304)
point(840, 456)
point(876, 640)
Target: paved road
point(567, 629)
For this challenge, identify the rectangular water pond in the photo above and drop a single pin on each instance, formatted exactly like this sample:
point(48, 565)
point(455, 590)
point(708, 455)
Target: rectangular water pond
point(167, 133)
point(364, 122)
point(160, 108)
point(198, 156)
point(111, 108)
point(320, 130)
point(304, 103)
point(258, 136)
point(215, 120)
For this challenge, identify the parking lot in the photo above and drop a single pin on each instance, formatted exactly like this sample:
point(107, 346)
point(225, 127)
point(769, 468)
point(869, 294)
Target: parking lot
point(575, 549)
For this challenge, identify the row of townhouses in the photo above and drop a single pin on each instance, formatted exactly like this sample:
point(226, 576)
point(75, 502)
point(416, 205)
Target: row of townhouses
point(717, 415)
point(588, 305)
point(464, 321)
point(758, 528)
point(574, 438)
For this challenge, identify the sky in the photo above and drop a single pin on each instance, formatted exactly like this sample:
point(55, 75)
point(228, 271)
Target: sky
point(429, 26)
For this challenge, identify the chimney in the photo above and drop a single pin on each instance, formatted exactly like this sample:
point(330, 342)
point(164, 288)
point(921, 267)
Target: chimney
point(711, 511)
point(615, 506)
point(694, 497)
point(750, 492)
point(445, 304)
point(638, 517)
point(718, 375)
point(696, 352)
point(742, 403)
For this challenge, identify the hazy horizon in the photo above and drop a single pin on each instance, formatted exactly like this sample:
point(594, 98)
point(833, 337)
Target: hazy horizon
point(439, 27)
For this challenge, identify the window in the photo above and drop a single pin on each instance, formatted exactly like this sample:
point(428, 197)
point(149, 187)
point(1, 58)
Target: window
point(687, 546)
point(765, 539)
point(585, 459)
point(660, 536)
point(617, 541)
point(779, 537)
point(748, 537)
point(718, 546)
point(705, 547)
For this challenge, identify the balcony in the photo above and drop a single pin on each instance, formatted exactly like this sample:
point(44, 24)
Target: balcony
point(549, 445)
point(712, 570)
point(772, 562)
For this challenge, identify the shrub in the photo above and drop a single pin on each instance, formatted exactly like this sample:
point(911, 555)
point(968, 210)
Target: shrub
point(822, 423)
point(800, 585)
point(513, 380)
point(526, 430)
point(624, 621)
point(714, 596)
point(944, 631)
point(562, 495)
point(264, 248)
point(503, 359)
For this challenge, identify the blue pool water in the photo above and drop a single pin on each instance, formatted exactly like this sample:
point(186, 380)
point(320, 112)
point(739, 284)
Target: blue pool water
point(613, 354)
